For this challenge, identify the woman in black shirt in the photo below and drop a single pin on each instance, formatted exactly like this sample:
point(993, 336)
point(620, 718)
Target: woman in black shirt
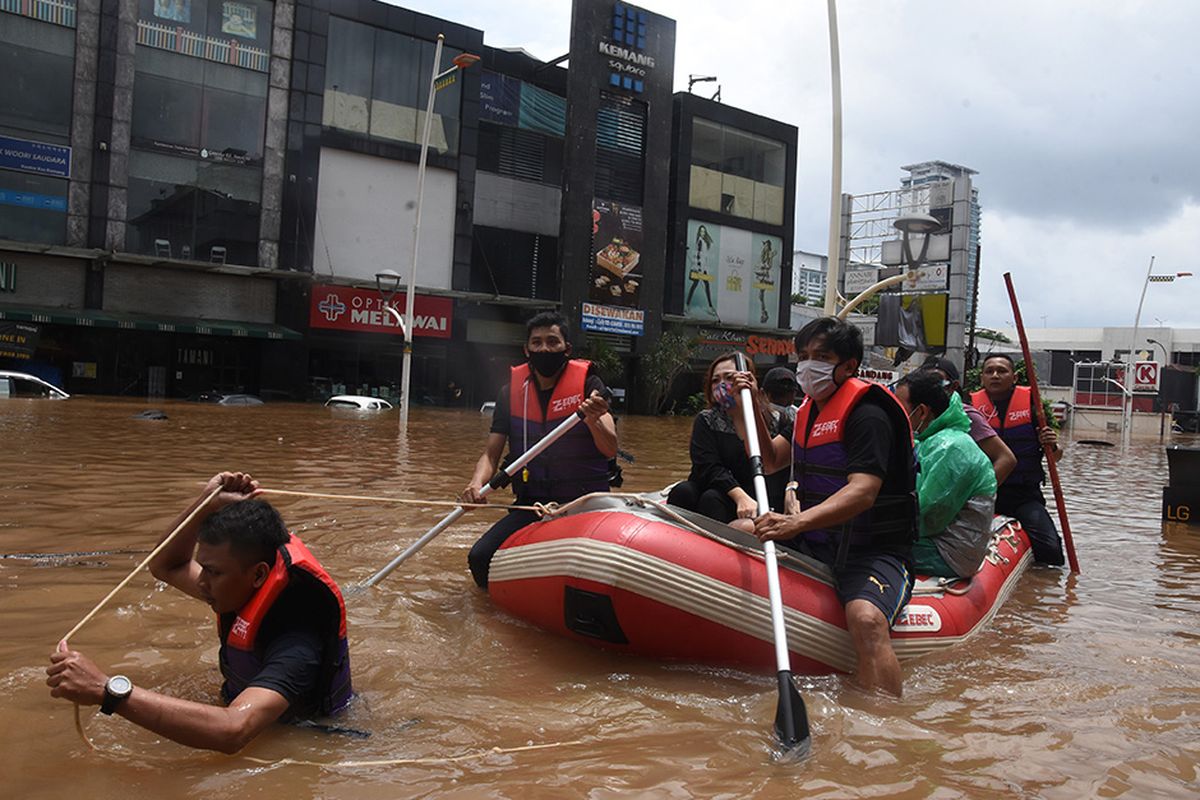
point(721, 484)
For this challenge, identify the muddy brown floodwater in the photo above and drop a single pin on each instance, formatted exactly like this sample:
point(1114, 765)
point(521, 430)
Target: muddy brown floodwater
point(1082, 687)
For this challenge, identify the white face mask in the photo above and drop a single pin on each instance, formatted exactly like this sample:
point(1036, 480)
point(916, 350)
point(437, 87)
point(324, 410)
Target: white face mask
point(816, 378)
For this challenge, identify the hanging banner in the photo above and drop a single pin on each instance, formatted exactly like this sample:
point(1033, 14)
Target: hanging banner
point(18, 340)
point(346, 308)
point(610, 319)
point(617, 243)
point(732, 275)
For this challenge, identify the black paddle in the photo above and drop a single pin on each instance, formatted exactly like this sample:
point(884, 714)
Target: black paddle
point(791, 718)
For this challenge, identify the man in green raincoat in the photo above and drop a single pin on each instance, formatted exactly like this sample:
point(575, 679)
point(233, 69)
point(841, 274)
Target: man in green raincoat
point(956, 485)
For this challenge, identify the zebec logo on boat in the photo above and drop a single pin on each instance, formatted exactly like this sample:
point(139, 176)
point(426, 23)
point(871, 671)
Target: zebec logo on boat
point(918, 619)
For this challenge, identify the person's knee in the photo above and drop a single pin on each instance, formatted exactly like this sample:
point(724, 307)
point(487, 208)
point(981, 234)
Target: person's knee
point(683, 495)
point(866, 624)
point(715, 505)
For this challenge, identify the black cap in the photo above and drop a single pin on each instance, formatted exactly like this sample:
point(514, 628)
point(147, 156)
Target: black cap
point(780, 378)
point(944, 364)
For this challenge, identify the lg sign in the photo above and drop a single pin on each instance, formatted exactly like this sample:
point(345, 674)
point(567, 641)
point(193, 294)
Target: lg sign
point(1146, 376)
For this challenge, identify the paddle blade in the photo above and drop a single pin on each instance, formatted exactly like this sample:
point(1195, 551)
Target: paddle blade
point(791, 717)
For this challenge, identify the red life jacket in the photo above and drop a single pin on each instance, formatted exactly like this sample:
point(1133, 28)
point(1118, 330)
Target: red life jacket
point(571, 467)
point(1019, 431)
point(240, 658)
point(820, 463)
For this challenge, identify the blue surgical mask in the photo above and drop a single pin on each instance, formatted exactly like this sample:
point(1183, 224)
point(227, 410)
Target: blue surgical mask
point(816, 378)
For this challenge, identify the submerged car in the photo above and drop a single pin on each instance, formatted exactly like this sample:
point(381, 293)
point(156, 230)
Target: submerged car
point(22, 384)
point(224, 399)
point(357, 401)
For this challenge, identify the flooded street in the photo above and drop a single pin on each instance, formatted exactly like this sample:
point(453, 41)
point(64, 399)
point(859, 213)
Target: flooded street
point(1084, 686)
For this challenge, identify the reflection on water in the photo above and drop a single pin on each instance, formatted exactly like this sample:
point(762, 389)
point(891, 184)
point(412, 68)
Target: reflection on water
point(1086, 686)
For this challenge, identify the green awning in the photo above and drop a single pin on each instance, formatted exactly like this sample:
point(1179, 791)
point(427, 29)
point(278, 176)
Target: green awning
point(94, 318)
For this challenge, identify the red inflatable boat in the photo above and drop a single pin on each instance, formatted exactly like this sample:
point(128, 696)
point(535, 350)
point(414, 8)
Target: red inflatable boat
point(661, 582)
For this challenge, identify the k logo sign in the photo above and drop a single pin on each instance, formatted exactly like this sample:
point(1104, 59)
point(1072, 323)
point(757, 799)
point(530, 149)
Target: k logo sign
point(1146, 376)
point(332, 307)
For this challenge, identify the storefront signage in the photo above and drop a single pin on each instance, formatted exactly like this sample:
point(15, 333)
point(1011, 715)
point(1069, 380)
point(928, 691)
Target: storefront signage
point(859, 280)
point(40, 158)
point(884, 377)
point(731, 275)
point(499, 98)
point(45, 202)
point(18, 340)
point(623, 48)
point(347, 308)
point(769, 346)
point(608, 319)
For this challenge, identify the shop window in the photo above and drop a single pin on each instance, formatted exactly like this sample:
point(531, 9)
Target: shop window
point(186, 208)
point(737, 172)
point(234, 32)
point(37, 63)
point(514, 263)
point(217, 112)
point(377, 84)
point(33, 208)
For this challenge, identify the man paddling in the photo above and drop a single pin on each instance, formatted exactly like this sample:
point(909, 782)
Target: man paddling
point(1009, 409)
point(542, 393)
point(852, 458)
point(280, 618)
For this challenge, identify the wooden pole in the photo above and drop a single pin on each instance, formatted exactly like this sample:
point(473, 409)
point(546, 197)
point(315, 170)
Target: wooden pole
point(1031, 372)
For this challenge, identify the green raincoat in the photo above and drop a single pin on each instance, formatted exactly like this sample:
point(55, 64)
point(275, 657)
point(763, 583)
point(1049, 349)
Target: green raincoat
point(956, 494)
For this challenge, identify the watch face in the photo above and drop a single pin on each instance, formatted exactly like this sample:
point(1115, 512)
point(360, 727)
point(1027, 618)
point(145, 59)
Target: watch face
point(120, 685)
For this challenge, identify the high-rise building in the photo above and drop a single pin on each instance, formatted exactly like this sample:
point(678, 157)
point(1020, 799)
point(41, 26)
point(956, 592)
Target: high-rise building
point(809, 272)
point(927, 172)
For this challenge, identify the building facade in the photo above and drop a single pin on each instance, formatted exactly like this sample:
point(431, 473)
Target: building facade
point(198, 194)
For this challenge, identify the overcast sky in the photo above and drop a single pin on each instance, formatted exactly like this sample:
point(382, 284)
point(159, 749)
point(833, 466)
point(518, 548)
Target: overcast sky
point(1081, 116)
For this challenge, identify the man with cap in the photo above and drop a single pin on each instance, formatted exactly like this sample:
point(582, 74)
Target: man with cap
point(1002, 458)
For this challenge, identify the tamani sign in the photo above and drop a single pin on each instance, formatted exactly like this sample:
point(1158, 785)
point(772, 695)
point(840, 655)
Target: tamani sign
point(346, 308)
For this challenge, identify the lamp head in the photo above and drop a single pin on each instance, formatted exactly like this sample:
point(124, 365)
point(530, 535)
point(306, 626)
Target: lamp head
point(464, 60)
point(917, 224)
point(387, 280)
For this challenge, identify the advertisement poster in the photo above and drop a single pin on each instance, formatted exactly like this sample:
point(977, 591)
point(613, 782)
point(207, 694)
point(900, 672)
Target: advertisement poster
point(617, 244)
point(732, 276)
point(239, 19)
point(18, 340)
point(174, 10)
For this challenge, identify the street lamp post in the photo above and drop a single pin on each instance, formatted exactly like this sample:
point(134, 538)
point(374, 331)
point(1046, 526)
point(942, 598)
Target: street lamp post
point(1127, 416)
point(921, 224)
point(438, 79)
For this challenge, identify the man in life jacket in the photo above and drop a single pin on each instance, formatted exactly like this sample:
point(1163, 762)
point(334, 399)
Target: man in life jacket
point(280, 618)
point(541, 394)
point(852, 462)
point(1009, 409)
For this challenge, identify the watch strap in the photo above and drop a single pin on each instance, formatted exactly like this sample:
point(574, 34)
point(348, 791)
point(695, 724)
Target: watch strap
point(110, 702)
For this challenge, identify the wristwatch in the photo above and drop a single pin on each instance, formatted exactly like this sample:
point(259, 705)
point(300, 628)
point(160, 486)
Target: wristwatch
point(116, 689)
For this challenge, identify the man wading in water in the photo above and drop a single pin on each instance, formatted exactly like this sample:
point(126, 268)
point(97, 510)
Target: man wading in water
point(281, 620)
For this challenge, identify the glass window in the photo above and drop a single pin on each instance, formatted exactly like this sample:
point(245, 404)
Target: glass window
point(236, 32)
point(37, 63)
point(33, 208)
point(377, 83)
point(177, 108)
point(737, 172)
point(185, 208)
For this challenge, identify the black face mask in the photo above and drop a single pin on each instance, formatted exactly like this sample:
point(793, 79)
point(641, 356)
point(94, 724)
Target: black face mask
point(547, 363)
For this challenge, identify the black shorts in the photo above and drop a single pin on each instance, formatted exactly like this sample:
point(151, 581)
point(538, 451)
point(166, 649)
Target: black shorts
point(883, 580)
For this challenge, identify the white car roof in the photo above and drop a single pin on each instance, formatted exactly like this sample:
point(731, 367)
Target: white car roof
point(25, 376)
point(358, 399)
